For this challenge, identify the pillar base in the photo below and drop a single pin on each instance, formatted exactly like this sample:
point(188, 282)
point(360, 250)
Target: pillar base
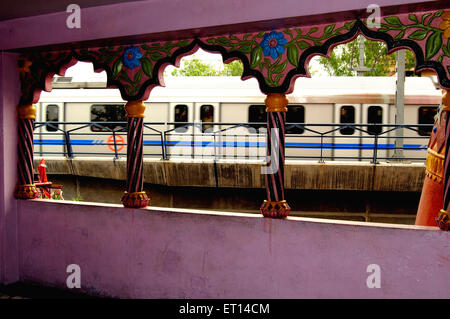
point(443, 220)
point(135, 200)
point(278, 209)
point(27, 191)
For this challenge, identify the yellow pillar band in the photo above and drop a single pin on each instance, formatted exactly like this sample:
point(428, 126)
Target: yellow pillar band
point(27, 112)
point(135, 108)
point(276, 102)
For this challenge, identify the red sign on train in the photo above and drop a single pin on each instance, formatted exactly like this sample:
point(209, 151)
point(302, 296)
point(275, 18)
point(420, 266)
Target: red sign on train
point(120, 142)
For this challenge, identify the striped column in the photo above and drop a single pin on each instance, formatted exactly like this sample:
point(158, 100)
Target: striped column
point(25, 188)
point(134, 196)
point(443, 219)
point(275, 206)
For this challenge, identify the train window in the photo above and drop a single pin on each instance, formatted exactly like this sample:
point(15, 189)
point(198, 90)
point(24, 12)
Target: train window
point(374, 116)
point(426, 116)
point(347, 115)
point(108, 113)
point(181, 115)
point(257, 114)
point(207, 115)
point(52, 115)
point(295, 114)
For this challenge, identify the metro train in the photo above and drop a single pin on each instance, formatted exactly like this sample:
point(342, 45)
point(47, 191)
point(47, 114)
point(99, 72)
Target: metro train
point(202, 115)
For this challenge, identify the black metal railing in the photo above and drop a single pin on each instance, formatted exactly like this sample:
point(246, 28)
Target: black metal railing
point(318, 141)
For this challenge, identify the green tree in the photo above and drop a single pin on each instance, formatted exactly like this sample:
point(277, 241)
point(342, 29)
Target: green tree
point(345, 59)
point(196, 67)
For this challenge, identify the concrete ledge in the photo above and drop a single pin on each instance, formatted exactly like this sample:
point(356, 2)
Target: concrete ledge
point(247, 174)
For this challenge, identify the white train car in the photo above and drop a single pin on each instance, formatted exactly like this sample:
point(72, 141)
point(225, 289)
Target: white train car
point(184, 113)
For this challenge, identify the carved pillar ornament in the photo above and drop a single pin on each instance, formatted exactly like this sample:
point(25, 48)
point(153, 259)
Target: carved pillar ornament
point(432, 208)
point(25, 188)
point(275, 206)
point(134, 196)
point(443, 219)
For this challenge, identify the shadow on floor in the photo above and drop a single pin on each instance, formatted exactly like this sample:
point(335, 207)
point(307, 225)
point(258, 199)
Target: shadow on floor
point(27, 290)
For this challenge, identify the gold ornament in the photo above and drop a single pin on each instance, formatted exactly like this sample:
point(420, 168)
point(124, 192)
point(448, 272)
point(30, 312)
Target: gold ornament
point(276, 102)
point(135, 109)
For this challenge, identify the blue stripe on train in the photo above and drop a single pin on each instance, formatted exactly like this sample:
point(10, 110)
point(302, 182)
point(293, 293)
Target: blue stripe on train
point(413, 147)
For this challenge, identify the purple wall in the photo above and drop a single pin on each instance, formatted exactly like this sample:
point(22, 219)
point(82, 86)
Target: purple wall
point(144, 17)
point(9, 84)
point(155, 253)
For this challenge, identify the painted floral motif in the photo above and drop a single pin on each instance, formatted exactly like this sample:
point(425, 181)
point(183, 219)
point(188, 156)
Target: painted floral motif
point(34, 70)
point(24, 65)
point(445, 24)
point(423, 30)
point(273, 44)
point(131, 57)
point(284, 47)
point(131, 65)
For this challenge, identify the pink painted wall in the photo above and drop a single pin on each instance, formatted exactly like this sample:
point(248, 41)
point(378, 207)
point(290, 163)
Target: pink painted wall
point(168, 254)
point(9, 84)
point(156, 253)
point(145, 17)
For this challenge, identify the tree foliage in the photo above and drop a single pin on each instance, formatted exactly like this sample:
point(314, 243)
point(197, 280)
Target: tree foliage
point(344, 59)
point(196, 67)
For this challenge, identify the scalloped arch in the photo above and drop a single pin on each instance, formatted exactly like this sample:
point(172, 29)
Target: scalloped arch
point(274, 57)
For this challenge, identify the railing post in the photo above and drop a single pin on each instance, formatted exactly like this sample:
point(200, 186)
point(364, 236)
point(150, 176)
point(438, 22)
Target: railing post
point(375, 149)
point(166, 155)
point(135, 196)
point(68, 144)
point(275, 206)
point(25, 188)
point(321, 148)
point(116, 154)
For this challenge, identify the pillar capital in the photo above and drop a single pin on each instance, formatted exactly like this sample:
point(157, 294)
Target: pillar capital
point(27, 112)
point(443, 220)
point(27, 191)
point(276, 102)
point(446, 100)
point(135, 108)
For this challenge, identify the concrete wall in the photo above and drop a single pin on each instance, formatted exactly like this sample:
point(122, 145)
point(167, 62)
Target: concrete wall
point(170, 253)
point(386, 207)
point(299, 175)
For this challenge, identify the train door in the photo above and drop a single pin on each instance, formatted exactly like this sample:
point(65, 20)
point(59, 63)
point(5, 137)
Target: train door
point(50, 137)
point(296, 145)
point(179, 137)
point(205, 114)
point(310, 142)
point(156, 116)
point(373, 115)
point(415, 142)
point(347, 139)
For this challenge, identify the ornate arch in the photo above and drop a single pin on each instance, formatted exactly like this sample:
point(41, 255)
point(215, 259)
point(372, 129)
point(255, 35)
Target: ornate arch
point(274, 57)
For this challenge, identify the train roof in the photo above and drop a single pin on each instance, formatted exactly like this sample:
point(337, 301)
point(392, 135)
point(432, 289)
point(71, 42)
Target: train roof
point(418, 90)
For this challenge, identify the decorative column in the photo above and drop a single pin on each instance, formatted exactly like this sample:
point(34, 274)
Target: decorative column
point(275, 206)
point(25, 188)
point(443, 219)
point(134, 196)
